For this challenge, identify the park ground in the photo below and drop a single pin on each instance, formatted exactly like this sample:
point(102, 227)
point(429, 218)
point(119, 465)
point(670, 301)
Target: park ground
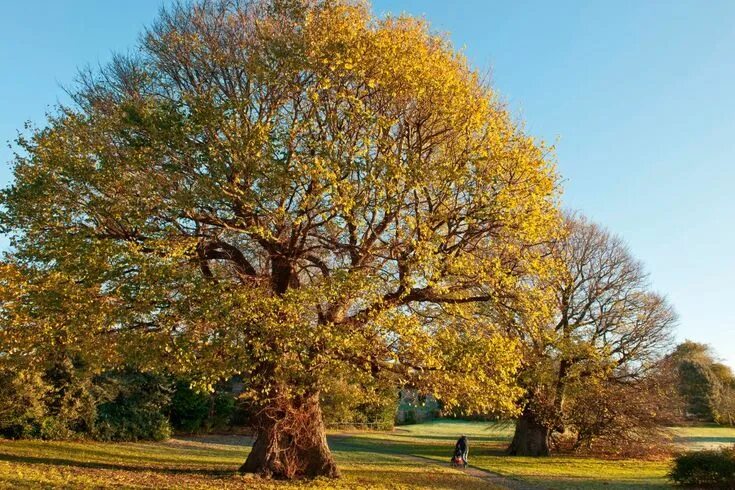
point(413, 456)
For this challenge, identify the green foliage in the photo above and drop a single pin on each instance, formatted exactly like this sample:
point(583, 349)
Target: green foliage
point(53, 429)
point(135, 408)
point(54, 400)
point(189, 408)
point(346, 402)
point(197, 411)
point(699, 387)
point(224, 406)
point(21, 403)
point(707, 386)
point(66, 401)
point(72, 398)
point(709, 469)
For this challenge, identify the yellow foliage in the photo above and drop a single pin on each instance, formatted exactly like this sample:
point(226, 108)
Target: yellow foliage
point(311, 187)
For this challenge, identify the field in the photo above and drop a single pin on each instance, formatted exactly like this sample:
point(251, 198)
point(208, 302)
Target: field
point(410, 457)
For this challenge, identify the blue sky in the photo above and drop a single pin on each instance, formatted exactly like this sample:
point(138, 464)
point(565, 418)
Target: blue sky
point(637, 95)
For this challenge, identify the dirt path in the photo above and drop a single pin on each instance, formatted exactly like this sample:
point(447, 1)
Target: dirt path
point(494, 479)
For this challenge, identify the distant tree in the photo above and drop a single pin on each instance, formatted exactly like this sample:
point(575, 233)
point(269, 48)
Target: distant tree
point(699, 387)
point(706, 386)
point(726, 405)
point(602, 332)
point(275, 189)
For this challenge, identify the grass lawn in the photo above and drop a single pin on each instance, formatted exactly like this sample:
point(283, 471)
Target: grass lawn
point(367, 460)
point(487, 442)
point(207, 462)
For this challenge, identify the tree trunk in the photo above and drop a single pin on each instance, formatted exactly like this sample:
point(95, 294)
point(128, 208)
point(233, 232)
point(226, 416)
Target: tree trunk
point(531, 437)
point(291, 441)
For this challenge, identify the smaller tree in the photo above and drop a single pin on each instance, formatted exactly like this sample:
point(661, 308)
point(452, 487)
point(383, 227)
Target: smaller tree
point(599, 342)
point(725, 399)
point(624, 419)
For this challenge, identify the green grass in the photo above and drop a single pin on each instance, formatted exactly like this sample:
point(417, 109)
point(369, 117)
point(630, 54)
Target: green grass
point(488, 441)
point(578, 472)
point(208, 462)
point(367, 460)
point(705, 437)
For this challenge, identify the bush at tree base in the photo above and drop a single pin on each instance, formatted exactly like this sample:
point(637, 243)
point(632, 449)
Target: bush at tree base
point(705, 469)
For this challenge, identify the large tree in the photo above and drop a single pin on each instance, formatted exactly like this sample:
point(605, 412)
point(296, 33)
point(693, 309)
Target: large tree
point(274, 189)
point(595, 330)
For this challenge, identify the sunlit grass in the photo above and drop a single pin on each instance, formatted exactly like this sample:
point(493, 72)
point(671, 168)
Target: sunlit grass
point(488, 441)
point(366, 459)
point(202, 463)
point(577, 472)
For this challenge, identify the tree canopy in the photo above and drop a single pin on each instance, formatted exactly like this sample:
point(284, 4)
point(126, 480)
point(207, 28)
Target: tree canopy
point(276, 189)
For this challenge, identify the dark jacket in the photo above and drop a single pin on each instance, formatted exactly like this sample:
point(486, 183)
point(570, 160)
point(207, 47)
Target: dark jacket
point(462, 447)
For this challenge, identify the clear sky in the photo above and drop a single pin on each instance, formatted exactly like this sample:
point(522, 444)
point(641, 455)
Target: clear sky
point(639, 97)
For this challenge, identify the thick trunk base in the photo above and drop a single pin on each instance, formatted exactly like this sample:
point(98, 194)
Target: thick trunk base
point(291, 442)
point(531, 438)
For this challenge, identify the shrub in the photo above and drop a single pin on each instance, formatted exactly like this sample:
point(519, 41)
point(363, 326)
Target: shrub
point(55, 400)
point(135, 407)
point(72, 399)
point(196, 411)
point(189, 408)
point(223, 410)
point(63, 399)
point(53, 429)
point(621, 419)
point(21, 403)
point(711, 469)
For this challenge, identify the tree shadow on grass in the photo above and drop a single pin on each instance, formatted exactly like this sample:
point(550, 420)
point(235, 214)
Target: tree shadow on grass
point(411, 476)
point(218, 439)
point(590, 484)
point(12, 458)
point(408, 446)
point(387, 447)
point(706, 439)
point(453, 439)
point(159, 458)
